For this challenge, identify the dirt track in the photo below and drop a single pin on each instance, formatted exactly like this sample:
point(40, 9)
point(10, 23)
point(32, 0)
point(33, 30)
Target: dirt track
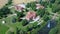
point(21, 1)
point(3, 2)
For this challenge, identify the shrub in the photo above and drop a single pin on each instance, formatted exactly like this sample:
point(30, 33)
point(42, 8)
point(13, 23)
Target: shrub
point(24, 22)
point(53, 31)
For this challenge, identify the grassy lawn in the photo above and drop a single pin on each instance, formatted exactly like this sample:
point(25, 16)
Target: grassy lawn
point(3, 29)
point(9, 23)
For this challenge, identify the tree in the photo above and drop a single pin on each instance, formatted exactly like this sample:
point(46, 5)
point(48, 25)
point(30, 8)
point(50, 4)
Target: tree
point(56, 8)
point(57, 1)
point(21, 32)
point(4, 11)
point(10, 32)
point(53, 31)
point(44, 3)
point(28, 5)
point(52, 1)
point(35, 25)
point(24, 22)
point(40, 12)
point(46, 17)
point(31, 5)
point(17, 30)
point(9, 2)
point(19, 14)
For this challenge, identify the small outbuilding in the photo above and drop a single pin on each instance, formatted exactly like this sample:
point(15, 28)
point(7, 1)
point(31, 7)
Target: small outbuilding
point(39, 6)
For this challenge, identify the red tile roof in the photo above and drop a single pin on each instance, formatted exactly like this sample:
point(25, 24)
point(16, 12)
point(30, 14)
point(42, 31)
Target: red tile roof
point(20, 7)
point(30, 15)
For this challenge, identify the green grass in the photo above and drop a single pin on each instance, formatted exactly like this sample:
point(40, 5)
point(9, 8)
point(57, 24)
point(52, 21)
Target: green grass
point(3, 29)
point(10, 24)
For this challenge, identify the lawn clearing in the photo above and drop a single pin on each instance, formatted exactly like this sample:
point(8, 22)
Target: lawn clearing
point(3, 29)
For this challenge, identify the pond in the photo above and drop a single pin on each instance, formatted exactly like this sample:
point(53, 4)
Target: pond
point(45, 30)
